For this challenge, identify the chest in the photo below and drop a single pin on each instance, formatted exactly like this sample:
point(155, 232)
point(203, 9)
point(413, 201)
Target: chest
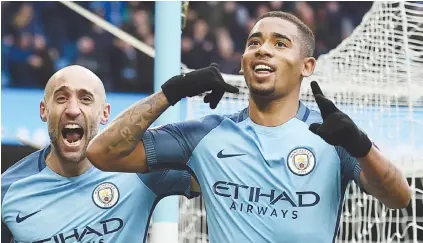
point(253, 163)
point(271, 184)
point(47, 210)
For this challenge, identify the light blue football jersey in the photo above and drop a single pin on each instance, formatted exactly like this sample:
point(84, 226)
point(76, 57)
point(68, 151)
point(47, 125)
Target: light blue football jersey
point(38, 205)
point(260, 184)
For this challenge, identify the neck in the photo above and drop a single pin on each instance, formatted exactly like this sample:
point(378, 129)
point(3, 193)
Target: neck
point(275, 112)
point(66, 168)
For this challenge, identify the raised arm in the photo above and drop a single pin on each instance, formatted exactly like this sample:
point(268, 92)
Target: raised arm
point(119, 147)
point(377, 175)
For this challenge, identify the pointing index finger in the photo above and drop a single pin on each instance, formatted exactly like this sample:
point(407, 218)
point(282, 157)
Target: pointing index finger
point(315, 88)
point(326, 106)
point(229, 88)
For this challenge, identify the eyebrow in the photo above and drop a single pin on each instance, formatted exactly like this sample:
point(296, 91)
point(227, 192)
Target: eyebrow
point(60, 89)
point(274, 34)
point(84, 91)
point(66, 88)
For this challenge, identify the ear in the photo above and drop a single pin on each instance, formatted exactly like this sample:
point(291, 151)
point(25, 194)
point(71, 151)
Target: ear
point(105, 114)
point(43, 111)
point(242, 66)
point(308, 66)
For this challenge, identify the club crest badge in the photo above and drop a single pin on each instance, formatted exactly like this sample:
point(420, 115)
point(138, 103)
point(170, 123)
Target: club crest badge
point(301, 161)
point(106, 195)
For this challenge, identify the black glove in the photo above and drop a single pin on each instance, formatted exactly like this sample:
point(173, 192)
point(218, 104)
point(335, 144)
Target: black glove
point(198, 82)
point(338, 128)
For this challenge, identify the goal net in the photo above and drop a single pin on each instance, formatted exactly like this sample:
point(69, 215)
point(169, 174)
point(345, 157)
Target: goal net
point(376, 77)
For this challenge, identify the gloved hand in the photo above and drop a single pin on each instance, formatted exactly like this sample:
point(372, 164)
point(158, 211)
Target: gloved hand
point(198, 82)
point(337, 128)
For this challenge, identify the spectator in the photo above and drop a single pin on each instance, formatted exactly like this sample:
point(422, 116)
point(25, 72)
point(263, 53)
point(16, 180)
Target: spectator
point(41, 62)
point(126, 68)
point(54, 25)
point(103, 44)
point(306, 14)
point(228, 59)
point(25, 21)
point(334, 24)
point(21, 72)
point(39, 37)
point(86, 55)
point(201, 52)
point(262, 9)
point(236, 18)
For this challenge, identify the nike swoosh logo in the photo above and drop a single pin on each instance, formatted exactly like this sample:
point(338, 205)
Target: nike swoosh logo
point(21, 219)
point(220, 155)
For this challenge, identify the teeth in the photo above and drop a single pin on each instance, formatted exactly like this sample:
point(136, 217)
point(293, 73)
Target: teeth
point(72, 144)
point(72, 126)
point(262, 67)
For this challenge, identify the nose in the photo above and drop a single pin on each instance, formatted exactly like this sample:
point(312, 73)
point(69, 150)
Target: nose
point(264, 50)
point(73, 110)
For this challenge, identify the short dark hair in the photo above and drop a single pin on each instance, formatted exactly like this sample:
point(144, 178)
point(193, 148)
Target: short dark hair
point(306, 35)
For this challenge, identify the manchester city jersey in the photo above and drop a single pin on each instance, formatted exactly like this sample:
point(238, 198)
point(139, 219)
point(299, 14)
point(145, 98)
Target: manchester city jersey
point(38, 205)
point(260, 184)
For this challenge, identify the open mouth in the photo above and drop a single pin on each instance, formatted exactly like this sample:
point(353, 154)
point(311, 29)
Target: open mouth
point(72, 134)
point(263, 69)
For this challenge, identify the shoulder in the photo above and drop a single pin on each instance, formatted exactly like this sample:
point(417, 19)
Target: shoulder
point(308, 115)
point(175, 142)
point(204, 124)
point(28, 166)
point(314, 117)
point(213, 120)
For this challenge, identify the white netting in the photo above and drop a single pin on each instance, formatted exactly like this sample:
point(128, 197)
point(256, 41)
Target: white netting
point(376, 76)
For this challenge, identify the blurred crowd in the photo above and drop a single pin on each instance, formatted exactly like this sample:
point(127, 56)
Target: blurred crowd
point(39, 38)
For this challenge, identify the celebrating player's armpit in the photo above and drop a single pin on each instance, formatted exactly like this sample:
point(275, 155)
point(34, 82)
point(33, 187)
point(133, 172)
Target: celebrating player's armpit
point(197, 82)
point(338, 128)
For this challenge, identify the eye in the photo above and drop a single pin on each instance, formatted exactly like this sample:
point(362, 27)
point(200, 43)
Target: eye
point(86, 99)
point(61, 99)
point(254, 42)
point(280, 44)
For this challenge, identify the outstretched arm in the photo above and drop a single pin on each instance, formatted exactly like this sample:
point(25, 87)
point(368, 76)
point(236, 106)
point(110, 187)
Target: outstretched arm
point(119, 147)
point(378, 175)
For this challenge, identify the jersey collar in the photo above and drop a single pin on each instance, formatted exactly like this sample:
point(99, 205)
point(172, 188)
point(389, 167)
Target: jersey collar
point(302, 113)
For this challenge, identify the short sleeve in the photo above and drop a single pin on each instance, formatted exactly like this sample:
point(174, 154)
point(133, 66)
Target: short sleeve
point(171, 146)
point(169, 182)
